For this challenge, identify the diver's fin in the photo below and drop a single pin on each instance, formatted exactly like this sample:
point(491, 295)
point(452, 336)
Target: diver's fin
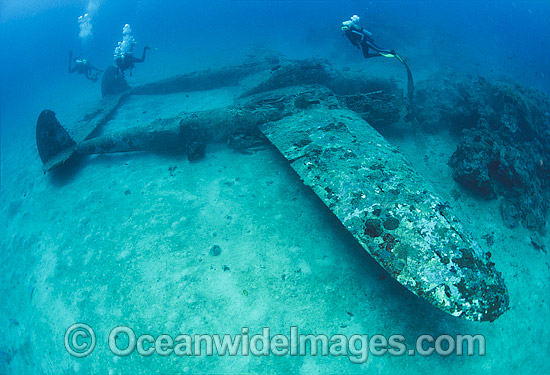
point(51, 138)
point(410, 87)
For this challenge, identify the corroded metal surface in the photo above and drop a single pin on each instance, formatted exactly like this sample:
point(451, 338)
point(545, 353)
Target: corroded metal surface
point(85, 126)
point(61, 151)
point(183, 133)
point(200, 80)
point(390, 210)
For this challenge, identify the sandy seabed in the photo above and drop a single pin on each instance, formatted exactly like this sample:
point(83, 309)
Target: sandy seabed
point(127, 239)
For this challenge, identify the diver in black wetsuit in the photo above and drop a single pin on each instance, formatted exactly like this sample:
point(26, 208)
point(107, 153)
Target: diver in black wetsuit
point(127, 60)
point(83, 66)
point(124, 52)
point(362, 38)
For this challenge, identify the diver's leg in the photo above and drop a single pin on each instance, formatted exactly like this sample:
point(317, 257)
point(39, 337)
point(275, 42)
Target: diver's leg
point(381, 51)
point(366, 52)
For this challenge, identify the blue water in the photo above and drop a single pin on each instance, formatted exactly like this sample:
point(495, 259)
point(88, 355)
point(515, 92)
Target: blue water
point(498, 39)
point(504, 37)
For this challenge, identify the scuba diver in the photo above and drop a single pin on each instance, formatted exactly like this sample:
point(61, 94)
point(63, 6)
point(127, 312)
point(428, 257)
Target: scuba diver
point(362, 38)
point(124, 58)
point(113, 81)
point(127, 60)
point(83, 66)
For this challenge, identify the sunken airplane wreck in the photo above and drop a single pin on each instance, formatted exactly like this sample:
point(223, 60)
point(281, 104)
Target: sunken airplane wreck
point(318, 118)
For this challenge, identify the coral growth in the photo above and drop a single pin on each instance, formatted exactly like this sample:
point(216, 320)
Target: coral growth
point(505, 146)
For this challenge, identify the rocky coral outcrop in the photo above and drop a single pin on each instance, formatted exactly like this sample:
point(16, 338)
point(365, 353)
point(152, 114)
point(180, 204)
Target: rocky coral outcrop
point(504, 149)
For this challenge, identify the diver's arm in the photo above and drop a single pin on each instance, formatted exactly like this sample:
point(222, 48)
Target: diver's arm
point(96, 69)
point(363, 33)
point(360, 35)
point(143, 56)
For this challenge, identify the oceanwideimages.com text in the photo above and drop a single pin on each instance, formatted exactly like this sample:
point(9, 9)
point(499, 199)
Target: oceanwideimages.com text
point(80, 341)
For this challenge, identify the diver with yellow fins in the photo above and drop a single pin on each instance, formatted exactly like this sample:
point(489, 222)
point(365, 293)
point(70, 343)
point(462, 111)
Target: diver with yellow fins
point(362, 38)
